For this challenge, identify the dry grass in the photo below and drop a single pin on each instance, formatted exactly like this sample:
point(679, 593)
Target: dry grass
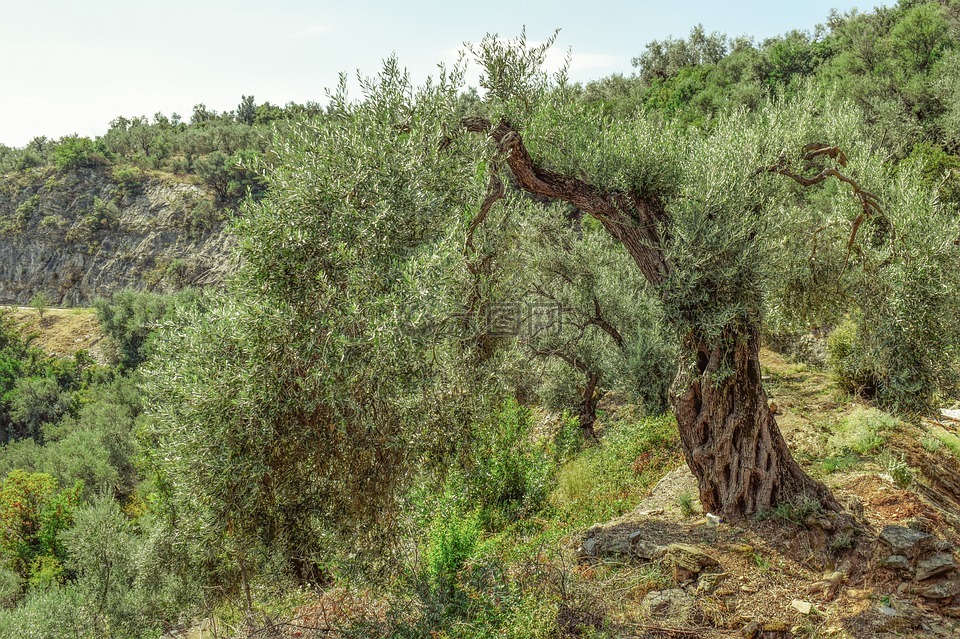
point(63, 332)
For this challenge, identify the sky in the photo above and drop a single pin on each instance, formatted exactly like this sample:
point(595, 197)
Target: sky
point(72, 66)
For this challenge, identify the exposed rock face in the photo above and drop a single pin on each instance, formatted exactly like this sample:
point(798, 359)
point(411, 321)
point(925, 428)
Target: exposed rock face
point(87, 233)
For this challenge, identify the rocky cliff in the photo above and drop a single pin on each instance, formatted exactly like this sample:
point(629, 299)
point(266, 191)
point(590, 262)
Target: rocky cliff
point(86, 233)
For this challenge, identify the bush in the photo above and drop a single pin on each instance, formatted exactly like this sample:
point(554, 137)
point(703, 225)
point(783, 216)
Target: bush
point(453, 539)
point(76, 152)
point(129, 318)
point(850, 362)
point(510, 473)
point(33, 515)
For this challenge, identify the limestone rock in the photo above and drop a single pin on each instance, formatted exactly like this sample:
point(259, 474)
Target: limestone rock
point(897, 562)
point(906, 541)
point(751, 630)
point(673, 604)
point(944, 589)
point(709, 581)
point(85, 234)
point(803, 607)
point(935, 565)
point(687, 561)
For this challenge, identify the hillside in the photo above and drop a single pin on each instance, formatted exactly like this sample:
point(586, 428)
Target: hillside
point(64, 332)
point(674, 355)
point(660, 569)
point(87, 232)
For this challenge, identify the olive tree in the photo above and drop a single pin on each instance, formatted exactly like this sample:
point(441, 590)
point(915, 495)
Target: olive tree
point(352, 352)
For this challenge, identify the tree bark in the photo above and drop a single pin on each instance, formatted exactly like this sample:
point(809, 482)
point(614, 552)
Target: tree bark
point(730, 437)
point(588, 407)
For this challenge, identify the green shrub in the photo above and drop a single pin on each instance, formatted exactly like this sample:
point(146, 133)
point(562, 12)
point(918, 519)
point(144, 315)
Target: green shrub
point(863, 432)
point(75, 152)
point(852, 365)
point(510, 474)
point(607, 478)
point(453, 539)
point(33, 515)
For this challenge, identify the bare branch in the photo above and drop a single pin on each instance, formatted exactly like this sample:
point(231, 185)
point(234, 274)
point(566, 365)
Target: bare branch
point(869, 203)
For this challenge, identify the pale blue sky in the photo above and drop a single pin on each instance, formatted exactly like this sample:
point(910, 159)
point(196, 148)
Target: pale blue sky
point(71, 66)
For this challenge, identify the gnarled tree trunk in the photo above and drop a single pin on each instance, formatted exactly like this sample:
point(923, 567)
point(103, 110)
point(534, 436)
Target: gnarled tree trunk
point(730, 437)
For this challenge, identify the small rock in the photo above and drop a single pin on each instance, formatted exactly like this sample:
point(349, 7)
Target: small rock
point(615, 547)
point(888, 611)
point(906, 541)
point(710, 581)
point(942, 545)
point(936, 565)
point(751, 630)
point(644, 548)
point(589, 547)
point(673, 603)
point(688, 561)
point(897, 562)
point(953, 414)
point(742, 549)
point(803, 607)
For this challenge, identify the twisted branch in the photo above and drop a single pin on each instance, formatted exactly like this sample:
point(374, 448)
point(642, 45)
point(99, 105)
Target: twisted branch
point(869, 203)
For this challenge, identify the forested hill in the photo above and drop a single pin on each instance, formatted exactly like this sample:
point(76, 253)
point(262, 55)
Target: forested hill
point(668, 355)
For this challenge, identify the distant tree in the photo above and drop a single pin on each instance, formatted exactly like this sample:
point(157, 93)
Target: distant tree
point(246, 110)
point(40, 302)
point(73, 152)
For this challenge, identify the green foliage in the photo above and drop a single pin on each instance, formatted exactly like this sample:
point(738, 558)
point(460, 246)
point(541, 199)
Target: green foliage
point(33, 516)
point(863, 432)
point(608, 478)
point(77, 152)
point(685, 503)
point(899, 471)
point(849, 361)
point(796, 512)
point(129, 318)
point(510, 474)
point(40, 302)
point(453, 539)
point(35, 401)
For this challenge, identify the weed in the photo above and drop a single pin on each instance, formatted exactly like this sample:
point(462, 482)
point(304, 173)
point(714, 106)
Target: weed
point(898, 470)
point(685, 503)
point(838, 463)
point(761, 562)
point(864, 432)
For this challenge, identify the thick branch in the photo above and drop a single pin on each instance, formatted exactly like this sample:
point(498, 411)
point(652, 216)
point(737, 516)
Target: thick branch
point(634, 220)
